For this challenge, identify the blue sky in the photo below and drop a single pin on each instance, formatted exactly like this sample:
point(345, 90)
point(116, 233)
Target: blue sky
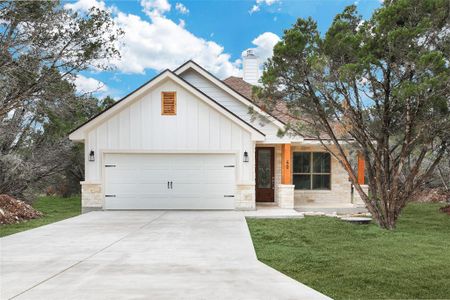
point(162, 34)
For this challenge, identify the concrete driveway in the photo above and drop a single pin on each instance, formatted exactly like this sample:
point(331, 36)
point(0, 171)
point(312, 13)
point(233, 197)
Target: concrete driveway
point(142, 255)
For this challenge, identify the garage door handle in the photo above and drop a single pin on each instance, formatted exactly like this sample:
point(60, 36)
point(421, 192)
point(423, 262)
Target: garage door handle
point(171, 185)
point(168, 184)
point(228, 196)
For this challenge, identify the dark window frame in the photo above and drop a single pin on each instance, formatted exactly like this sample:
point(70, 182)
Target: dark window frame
point(311, 172)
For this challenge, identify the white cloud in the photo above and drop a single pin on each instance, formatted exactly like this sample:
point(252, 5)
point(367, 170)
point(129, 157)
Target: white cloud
point(155, 7)
point(158, 43)
point(257, 6)
point(254, 9)
point(267, 2)
point(162, 44)
point(264, 45)
point(89, 85)
point(181, 8)
point(85, 5)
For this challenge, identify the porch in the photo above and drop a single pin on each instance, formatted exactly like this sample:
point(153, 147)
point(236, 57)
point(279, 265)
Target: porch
point(305, 177)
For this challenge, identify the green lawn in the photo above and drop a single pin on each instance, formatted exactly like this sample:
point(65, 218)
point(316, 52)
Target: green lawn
point(53, 208)
point(348, 261)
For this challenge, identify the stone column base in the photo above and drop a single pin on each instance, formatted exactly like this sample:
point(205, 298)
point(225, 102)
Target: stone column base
point(357, 198)
point(285, 195)
point(91, 196)
point(245, 197)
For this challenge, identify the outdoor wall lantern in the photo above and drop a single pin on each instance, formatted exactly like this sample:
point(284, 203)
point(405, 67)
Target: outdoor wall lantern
point(92, 156)
point(245, 156)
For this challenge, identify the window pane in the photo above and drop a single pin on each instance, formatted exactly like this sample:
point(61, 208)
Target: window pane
point(302, 162)
point(302, 182)
point(321, 162)
point(321, 182)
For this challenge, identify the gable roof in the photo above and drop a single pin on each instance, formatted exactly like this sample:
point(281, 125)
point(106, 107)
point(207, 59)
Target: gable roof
point(190, 64)
point(240, 85)
point(78, 133)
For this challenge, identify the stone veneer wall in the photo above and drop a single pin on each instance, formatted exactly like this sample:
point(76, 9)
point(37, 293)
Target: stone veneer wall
point(357, 198)
point(245, 197)
point(340, 185)
point(285, 195)
point(91, 196)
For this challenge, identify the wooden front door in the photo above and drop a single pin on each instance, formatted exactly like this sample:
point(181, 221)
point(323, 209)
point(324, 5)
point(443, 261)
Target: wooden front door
point(265, 175)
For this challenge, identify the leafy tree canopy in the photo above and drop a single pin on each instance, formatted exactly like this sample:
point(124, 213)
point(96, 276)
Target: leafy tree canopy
point(380, 86)
point(42, 48)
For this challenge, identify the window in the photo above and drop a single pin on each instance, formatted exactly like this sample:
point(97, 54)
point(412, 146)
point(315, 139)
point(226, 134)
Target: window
point(169, 103)
point(312, 171)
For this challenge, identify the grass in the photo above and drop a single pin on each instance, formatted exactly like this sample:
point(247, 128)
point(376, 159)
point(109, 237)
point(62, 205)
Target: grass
point(54, 209)
point(348, 261)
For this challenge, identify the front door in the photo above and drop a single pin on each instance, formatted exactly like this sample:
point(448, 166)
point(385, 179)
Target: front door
point(265, 179)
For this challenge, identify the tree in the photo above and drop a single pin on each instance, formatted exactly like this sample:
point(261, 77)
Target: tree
point(42, 43)
point(43, 46)
point(380, 87)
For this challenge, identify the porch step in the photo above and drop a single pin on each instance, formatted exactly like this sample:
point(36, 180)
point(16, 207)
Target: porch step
point(332, 208)
point(270, 212)
point(267, 204)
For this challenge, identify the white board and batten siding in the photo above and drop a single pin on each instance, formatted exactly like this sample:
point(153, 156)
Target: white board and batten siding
point(197, 127)
point(236, 106)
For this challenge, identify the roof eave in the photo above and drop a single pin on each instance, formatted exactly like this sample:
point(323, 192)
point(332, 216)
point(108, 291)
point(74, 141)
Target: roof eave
point(192, 64)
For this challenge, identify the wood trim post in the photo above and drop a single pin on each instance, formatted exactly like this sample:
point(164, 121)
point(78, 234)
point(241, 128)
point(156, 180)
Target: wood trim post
point(361, 167)
point(286, 164)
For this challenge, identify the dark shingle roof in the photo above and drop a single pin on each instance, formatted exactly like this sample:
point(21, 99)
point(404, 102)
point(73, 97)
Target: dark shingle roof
point(280, 110)
point(239, 85)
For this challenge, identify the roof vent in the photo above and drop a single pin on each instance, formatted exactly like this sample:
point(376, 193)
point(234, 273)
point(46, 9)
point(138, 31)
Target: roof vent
point(251, 67)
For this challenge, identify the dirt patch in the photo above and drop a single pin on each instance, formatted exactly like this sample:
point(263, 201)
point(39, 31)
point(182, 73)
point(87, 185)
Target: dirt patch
point(15, 211)
point(432, 195)
point(445, 210)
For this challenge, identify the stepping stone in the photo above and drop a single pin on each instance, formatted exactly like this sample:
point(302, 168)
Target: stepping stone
point(357, 220)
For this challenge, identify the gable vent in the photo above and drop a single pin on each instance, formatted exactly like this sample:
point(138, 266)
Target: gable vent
point(169, 103)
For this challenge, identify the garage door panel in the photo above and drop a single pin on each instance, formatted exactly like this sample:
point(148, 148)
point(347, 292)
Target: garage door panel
point(172, 202)
point(155, 176)
point(208, 188)
point(136, 201)
point(117, 176)
point(188, 176)
point(215, 176)
point(198, 202)
point(132, 188)
point(200, 181)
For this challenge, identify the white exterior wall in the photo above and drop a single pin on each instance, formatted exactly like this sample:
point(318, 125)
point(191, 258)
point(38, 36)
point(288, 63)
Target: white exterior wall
point(234, 105)
point(197, 127)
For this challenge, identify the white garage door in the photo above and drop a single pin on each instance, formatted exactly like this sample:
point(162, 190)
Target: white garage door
point(169, 181)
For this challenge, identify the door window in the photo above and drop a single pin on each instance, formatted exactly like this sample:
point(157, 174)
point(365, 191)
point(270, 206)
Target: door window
point(264, 168)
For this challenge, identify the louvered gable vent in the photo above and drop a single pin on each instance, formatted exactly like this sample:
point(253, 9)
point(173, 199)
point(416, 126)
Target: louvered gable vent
point(169, 103)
